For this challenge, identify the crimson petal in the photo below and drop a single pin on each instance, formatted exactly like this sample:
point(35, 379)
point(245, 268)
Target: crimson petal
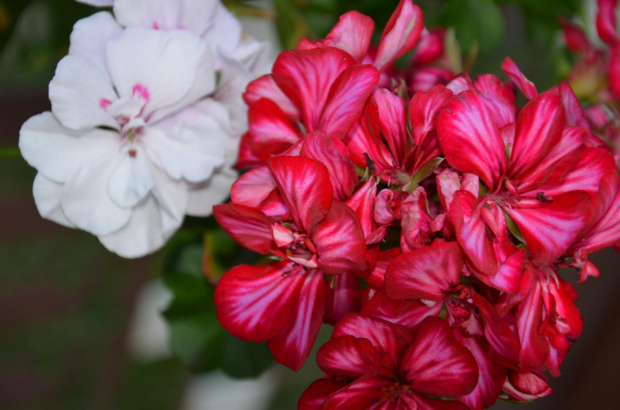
point(248, 226)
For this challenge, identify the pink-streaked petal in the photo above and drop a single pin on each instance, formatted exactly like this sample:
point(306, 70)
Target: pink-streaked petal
point(428, 403)
point(575, 38)
point(424, 108)
point(306, 77)
point(534, 346)
point(253, 187)
point(248, 226)
point(305, 187)
point(346, 99)
point(393, 122)
point(292, 345)
point(332, 153)
point(401, 34)
point(427, 273)
point(470, 139)
point(437, 364)
point(574, 113)
point(539, 128)
point(606, 20)
point(497, 97)
point(352, 34)
point(526, 386)
point(272, 132)
point(550, 229)
point(339, 241)
point(408, 313)
point(255, 303)
point(266, 87)
point(386, 337)
point(362, 204)
point(430, 48)
point(343, 297)
point(448, 182)
point(490, 380)
point(364, 393)
point(512, 71)
point(316, 394)
point(348, 357)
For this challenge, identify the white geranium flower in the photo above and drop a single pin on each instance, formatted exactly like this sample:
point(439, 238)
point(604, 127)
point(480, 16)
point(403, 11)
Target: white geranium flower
point(131, 145)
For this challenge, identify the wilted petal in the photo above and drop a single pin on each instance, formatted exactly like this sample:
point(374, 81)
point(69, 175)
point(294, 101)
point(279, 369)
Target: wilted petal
point(292, 345)
point(437, 364)
point(255, 303)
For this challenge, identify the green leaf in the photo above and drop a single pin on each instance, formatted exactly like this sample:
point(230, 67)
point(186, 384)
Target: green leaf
point(474, 21)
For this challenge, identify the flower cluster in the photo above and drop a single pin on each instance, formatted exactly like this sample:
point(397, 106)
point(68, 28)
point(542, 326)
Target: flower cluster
point(145, 120)
point(428, 225)
point(596, 75)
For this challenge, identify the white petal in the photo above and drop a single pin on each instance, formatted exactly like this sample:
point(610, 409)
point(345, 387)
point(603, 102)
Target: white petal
point(98, 3)
point(47, 194)
point(192, 15)
point(172, 198)
point(90, 35)
point(225, 34)
point(58, 152)
point(184, 151)
point(141, 235)
point(216, 190)
point(131, 180)
point(174, 67)
point(261, 60)
point(78, 92)
point(86, 202)
point(233, 81)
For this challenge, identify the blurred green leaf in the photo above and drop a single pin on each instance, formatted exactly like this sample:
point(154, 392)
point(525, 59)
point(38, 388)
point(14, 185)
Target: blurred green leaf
point(196, 335)
point(474, 21)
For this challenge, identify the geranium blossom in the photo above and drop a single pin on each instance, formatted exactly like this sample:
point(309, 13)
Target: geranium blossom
point(131, 144)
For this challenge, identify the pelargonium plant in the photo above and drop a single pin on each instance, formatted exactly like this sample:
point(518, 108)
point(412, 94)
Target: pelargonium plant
point(427, 225)
point(145, 121)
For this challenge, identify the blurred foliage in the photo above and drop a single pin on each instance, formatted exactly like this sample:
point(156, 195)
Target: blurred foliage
point(196, 335)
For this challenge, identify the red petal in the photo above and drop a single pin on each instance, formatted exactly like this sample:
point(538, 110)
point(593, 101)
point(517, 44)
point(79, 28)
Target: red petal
point(365, 393)
point(534, 346)
point(348, 357)
point(497, 97)
point(305, 188)
point(574, 113)
point(408, 313)
point(332, 153)
point(343, 298)
point(339, 241)
point(362, 203)
point(352, 34)
point(272, 132)
point(512, 71)
point(576, 39)
point(401, 33)
point(248, 226)
point(526, 386)
point(606, 20)
point(385, 337)
point(253, 187)
point(393, 122)
point(424, 108)
point(614, 68)
point(266, 87)
point(470, 139)
point(292, 345)
point(427, 273)
point(315, 395)
point(256, 302)
point(437, 364)
point(306, 77)
point(550, 229)
point(539, 128)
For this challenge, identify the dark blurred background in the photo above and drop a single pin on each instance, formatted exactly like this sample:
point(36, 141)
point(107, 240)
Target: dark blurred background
point(79, 326)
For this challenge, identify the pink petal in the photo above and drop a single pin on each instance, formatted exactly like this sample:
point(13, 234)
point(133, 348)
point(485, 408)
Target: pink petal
point(437, 364)
point(497, 97)
point(575, 38)
point(401, 33)
point(266, 87)
point(340, 242)
point(470, 139)
point(352, 34)
point(254, 189)
point(292, 345)
point(256, 302)
point(512, 71)
point(305, 188)
point(362, 204)
point(306, 77)
point(534, 346)
point(614, 68)
point(606, 20)
point(248, 226)
point(574, 113)
point(393, 122)
point(408, 313)
point(427, 273)
point(526, 386)
point(550, 229)
point(364, 393)
point(332, 153)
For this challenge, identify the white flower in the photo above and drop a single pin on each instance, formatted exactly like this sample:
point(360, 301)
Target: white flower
point(131, 145)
